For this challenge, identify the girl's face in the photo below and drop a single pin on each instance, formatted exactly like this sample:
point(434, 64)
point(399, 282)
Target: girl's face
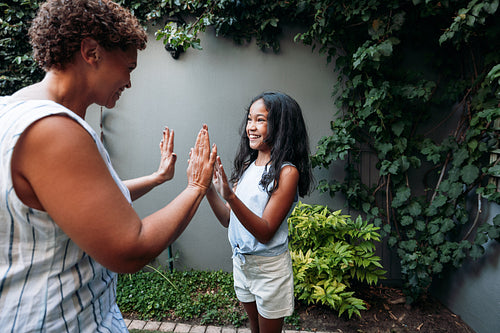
point(257, 126)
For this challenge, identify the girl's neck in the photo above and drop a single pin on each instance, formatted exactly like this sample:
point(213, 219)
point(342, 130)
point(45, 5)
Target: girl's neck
point(262, 159)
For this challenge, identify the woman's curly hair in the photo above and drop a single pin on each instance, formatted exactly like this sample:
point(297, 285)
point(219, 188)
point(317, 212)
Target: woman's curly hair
point(60, 26)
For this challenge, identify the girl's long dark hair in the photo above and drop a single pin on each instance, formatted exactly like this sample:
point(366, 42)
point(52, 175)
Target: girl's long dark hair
point(287, 137)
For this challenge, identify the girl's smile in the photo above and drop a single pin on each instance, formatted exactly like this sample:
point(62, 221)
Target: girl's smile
point(257, 126)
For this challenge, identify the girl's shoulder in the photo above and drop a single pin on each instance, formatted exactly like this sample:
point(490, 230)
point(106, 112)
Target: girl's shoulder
point(288, 165)
point(289, 169)
point(284, 164)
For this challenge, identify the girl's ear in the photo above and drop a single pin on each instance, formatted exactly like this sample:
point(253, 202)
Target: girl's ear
point(90, 50)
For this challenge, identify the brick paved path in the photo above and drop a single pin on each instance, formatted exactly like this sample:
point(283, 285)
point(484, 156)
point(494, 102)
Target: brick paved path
point(185, 328)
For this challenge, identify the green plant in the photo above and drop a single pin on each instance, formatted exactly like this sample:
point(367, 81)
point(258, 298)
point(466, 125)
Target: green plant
point(17, 68)
point(329, 251)
point(293, 320)
point(198, 294)
point(405, 69)
point(412, 74)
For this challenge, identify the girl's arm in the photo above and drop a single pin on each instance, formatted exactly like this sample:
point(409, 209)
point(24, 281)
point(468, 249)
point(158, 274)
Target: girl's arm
point(220, 209)
point(219, 184)
point(263, 228)
point(57, 168)
point(142, 185)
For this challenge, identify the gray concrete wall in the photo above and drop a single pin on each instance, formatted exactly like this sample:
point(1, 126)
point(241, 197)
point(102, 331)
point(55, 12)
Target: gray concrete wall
point(473, 291)
point(212, 86)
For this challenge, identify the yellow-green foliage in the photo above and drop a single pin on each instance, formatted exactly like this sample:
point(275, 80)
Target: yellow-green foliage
point(328, 251)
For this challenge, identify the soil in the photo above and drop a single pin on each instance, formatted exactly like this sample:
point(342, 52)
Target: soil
point(387, 312)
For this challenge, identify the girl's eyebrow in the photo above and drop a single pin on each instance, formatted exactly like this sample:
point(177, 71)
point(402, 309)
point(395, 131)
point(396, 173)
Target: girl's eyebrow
point(256, 114)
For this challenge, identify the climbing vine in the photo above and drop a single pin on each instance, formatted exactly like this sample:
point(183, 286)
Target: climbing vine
point(418, 93)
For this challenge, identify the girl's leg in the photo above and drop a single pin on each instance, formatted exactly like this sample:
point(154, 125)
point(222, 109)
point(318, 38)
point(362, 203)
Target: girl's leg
point(259, 324)
point(270, 325)
point(253, 316)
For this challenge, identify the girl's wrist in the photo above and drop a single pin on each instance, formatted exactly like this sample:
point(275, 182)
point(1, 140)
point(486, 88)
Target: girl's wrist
point(229, 198)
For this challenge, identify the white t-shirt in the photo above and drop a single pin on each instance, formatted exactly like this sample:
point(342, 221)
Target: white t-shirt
point(255, 197)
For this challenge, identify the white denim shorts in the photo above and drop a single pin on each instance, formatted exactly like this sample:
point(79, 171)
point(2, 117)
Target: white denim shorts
point(268, 281)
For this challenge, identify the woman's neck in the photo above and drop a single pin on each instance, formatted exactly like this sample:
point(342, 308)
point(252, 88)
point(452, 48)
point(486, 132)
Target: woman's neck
point(56, 87)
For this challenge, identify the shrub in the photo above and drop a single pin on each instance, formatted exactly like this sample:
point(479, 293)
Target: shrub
point(205, 295)
point(329, 251)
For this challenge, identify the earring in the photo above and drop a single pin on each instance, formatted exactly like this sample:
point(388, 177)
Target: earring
point(102, 128)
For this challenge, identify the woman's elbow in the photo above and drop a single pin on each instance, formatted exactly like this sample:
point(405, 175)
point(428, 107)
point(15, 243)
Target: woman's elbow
point(124, 266)
point(126, 259)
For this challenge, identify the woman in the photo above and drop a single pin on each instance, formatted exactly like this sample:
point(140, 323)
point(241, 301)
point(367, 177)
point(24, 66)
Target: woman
point(66, 219)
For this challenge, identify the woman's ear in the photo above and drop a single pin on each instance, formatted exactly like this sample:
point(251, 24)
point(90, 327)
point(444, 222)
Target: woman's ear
point(90, 50)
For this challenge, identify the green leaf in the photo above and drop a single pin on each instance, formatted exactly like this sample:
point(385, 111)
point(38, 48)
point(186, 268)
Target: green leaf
point(476, 251)
point(496, 220)
point(469, 173)
point(398, 128)
point(494, 170)
point(415, 209)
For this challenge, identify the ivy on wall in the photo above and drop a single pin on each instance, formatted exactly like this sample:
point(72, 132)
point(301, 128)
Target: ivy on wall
point(17, 68)
point(418, 91)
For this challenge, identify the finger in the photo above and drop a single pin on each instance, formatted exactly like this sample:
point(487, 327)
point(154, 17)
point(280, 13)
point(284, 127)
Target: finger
point(170, 142)
point(190, 155)
point(164, 139)
point(213, 155)
point(205, 141)
point(198, 143)
point(205, 144)
point(217, 164)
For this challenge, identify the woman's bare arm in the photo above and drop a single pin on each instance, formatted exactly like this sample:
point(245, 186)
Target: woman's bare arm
point(59, 170)
point(142, 185)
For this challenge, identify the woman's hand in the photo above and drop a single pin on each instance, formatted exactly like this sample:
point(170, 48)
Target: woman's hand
point(142, 185)
point(201, 161)
point(220, 181)
point(168, 158)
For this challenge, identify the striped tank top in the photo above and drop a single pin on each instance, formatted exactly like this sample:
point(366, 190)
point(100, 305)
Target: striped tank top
point(47, 283)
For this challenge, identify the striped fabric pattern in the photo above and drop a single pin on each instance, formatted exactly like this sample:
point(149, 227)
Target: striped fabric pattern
point(47, 283)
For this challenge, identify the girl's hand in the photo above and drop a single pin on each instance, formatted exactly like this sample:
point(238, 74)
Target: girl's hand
point(201, 161)
point(168, 158)
point(220, 181)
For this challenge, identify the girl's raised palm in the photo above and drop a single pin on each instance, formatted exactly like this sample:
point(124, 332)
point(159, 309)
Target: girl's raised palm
point(220, 181)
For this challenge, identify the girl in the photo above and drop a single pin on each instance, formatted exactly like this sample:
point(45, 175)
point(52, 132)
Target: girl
point(271, 169)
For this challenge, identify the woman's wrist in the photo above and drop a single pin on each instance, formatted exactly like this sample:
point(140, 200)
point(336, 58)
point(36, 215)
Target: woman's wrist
point(157, 179)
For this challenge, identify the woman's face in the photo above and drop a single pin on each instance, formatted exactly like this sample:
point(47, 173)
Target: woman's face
point(257, 126)
point(116, 67)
